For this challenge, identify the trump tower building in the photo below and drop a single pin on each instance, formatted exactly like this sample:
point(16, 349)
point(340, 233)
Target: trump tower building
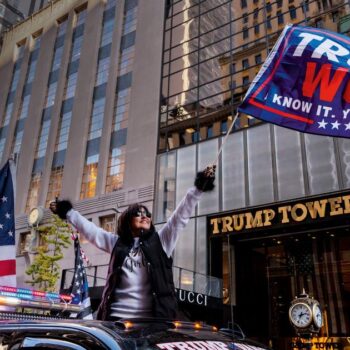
point(109, 102)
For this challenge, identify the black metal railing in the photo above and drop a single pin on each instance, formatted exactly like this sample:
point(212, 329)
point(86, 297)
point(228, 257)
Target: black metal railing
point(183, 279)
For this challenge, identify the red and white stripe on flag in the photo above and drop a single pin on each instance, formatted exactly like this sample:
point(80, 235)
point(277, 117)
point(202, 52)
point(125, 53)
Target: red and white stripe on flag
point(7, 265)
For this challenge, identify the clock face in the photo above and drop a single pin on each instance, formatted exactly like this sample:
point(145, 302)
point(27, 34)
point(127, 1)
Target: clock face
point(34, 216)
point(317, 315)
point(300, 315)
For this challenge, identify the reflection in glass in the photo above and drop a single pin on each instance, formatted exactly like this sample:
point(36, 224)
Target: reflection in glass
point(321, 163)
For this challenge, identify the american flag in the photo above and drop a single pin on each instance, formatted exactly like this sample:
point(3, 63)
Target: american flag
point(7, 226)
point(79, 288)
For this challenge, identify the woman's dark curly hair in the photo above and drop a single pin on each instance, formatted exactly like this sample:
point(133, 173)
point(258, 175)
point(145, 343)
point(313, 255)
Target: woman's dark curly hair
point(124, 222)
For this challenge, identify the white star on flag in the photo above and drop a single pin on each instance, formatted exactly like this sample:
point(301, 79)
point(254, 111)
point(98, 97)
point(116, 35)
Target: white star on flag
point(4, 199)
point(322, 124)
point(1, 226)
point(8, 216)
point(347, 126)
point(10, 233)
point(335, 125)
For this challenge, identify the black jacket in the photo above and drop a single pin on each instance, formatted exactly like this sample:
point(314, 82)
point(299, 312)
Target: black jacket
point(161, 276)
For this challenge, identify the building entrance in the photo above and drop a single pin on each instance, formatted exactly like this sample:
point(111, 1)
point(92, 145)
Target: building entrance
point(267, 273)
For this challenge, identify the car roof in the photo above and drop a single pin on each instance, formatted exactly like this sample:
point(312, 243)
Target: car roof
point(155, 331)
point(124, 328)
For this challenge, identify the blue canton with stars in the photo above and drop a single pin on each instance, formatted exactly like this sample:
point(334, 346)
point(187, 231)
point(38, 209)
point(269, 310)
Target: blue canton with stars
point(7, 222)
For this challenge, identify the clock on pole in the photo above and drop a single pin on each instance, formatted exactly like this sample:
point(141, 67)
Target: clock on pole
point(305, 315)
point(35, 216)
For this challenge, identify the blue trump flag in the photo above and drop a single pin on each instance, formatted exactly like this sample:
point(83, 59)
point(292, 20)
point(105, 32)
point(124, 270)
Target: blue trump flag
point(304, 83)
point(7, 226)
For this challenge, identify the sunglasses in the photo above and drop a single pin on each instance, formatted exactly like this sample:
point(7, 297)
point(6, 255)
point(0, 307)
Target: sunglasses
point(142, 213)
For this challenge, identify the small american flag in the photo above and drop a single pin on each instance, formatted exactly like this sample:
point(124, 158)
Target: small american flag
point(79, 288)
point(7, 226)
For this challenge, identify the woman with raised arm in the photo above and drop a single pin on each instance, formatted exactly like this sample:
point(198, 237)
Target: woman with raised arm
point(140, 279)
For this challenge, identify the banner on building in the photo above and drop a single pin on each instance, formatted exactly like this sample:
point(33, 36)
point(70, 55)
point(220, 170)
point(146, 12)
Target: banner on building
point(7, 226)
point(304, 83)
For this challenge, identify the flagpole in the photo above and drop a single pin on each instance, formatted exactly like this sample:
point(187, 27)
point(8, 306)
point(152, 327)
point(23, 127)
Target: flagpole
point(13, 157)
point(225, 139)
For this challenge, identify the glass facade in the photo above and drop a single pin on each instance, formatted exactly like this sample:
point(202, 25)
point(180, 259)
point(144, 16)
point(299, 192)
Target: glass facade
point(212, 50)
point(250, 178)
